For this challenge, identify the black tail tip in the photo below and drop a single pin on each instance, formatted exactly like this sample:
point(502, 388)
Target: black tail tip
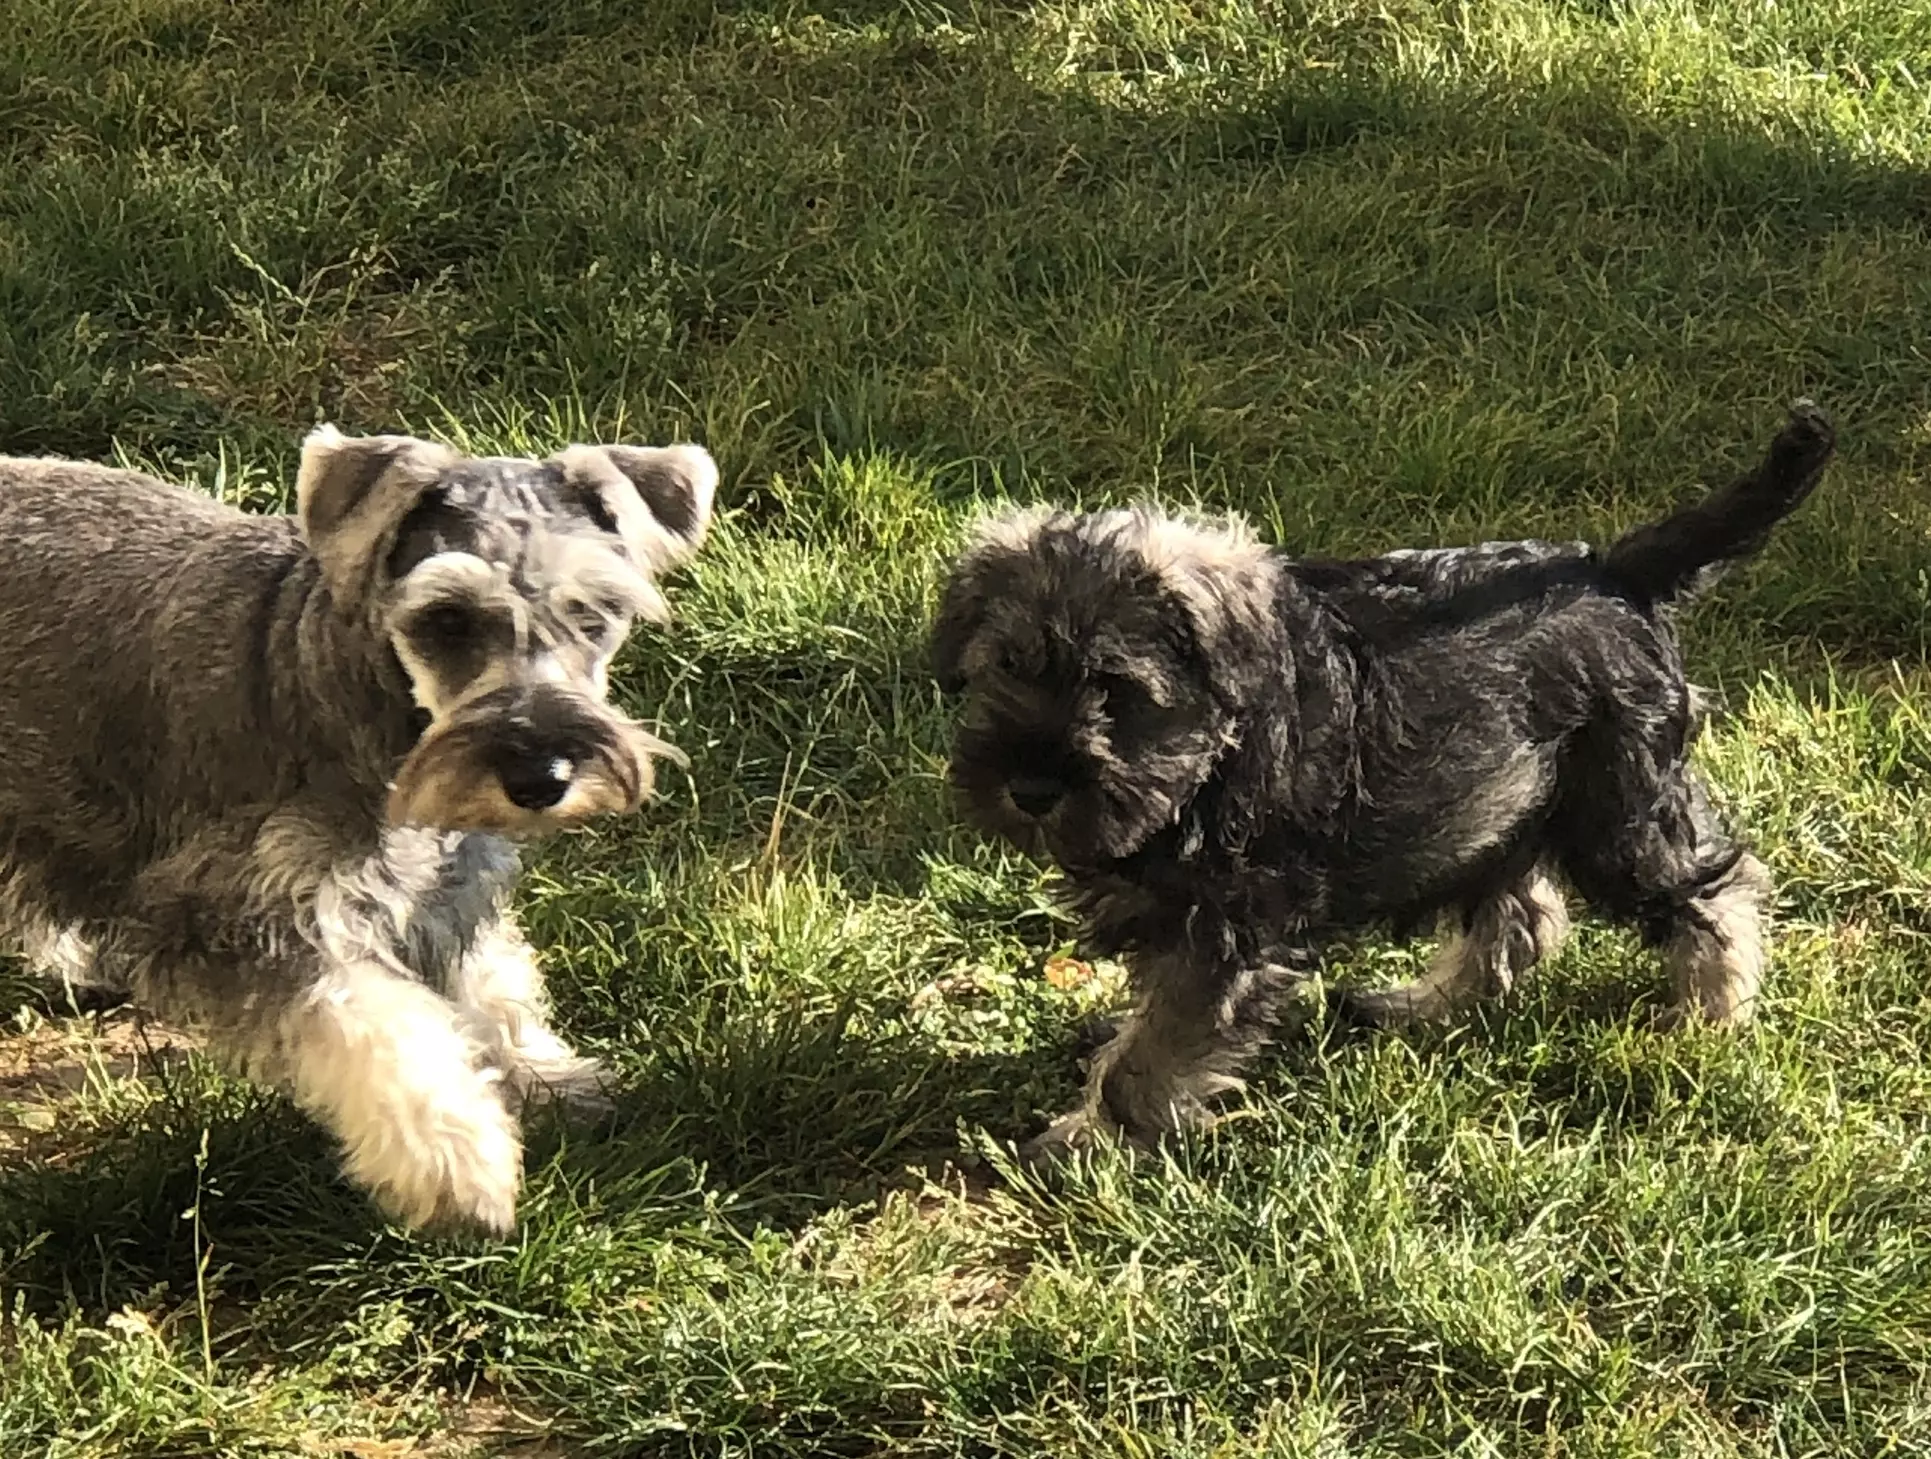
point(1808, 434)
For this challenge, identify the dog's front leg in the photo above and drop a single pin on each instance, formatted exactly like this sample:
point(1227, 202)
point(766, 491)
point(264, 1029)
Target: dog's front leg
point(371, 1053)
point(384, 1063)
point(500, 987)
point(291, 956)
point(1192, 1032)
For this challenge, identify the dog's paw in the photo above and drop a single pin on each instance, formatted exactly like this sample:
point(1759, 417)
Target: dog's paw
point(463, 1172)
point(477, 1207)
point(1092, 1035)
point(1368, 1010)
point(1420, 1004)
point(1682, 1016)
point(1071, 1134)
point(479, 1189)
point(576, 1085)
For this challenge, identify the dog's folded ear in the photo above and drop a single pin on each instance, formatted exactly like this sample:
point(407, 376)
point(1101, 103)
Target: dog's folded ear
point(656, 498)
point(965, 598)
point(962, 609)
point(352, 493)
point(973, 583)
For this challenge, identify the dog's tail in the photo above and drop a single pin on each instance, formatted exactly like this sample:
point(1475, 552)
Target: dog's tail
point(1673, 557)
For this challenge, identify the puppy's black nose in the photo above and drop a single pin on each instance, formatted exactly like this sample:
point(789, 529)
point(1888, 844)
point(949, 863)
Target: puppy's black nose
point(1035, 794)
point(537, 783)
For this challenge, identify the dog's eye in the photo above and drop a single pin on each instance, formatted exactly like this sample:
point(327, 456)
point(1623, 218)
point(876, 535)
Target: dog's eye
point(596, 622)
point(1125, 697)
point(447, 626)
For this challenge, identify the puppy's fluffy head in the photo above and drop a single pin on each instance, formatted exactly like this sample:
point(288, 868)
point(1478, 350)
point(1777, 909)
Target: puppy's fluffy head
point(1104, 660)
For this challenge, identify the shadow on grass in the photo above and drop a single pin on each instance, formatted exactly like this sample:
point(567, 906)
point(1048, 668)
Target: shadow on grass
point(752, 1135)
point(1720, 179)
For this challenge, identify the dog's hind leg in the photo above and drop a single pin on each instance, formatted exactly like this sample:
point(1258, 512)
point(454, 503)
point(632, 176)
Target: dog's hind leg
point(1717, 952)
point(66, 961)
point(58, 953)
point(61, 956)
point(1182, 1047)
point(1494, 946)
point(1644, 844)
point(501, 986)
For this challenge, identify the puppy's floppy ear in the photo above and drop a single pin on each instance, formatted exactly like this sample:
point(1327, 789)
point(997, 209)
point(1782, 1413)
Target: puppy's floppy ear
point(974, 581)
point(962, 611)
point(656, 498)
point(1220, 578)
point(351, 494)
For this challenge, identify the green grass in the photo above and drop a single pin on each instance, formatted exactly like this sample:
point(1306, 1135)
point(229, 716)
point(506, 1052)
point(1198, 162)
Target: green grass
point(1378, 274)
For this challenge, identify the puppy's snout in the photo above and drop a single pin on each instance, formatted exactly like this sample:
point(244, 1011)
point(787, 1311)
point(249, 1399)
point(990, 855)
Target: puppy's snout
point(525, 761)
point(539, 750)
point(537, 780)
point(1036, 795)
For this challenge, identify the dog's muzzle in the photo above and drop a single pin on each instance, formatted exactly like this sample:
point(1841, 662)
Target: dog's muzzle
point(1035, 795)
point(527, 761)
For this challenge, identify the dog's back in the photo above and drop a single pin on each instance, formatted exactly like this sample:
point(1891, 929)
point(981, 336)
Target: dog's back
point(1403, 595)
point(127, 694)
point(1412, 592)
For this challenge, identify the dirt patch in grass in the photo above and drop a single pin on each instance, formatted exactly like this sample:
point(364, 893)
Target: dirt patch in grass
point(483, 1424)
point(48, 1065)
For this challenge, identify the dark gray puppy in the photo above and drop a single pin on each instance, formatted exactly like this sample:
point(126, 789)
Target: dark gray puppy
point(1236, 756)
point(268, 774)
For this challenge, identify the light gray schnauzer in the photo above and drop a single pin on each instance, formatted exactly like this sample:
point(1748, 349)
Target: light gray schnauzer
point(268, 774)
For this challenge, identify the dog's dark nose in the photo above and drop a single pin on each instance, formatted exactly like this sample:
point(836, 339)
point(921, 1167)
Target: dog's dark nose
point(538, 783)
point(1035, 794)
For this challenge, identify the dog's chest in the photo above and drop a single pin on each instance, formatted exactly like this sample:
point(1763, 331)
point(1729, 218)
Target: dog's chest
point(435, 892)
point(1218, 906)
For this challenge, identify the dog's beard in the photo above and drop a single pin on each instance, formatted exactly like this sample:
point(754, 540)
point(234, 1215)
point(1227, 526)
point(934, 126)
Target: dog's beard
point(1112, 807)
point(452, 780)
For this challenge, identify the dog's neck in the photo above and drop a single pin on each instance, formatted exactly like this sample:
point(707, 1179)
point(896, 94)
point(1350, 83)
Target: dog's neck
point(348, 696)
point(1290, 689)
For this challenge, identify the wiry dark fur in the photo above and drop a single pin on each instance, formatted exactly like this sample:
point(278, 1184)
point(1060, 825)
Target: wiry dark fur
point(1236, 756)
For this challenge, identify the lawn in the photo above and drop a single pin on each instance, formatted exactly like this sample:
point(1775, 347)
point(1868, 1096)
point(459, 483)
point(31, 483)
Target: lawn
point(1377, 274)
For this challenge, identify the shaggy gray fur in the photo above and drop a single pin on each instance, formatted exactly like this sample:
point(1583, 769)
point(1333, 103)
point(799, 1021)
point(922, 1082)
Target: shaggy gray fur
point(267, 774)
